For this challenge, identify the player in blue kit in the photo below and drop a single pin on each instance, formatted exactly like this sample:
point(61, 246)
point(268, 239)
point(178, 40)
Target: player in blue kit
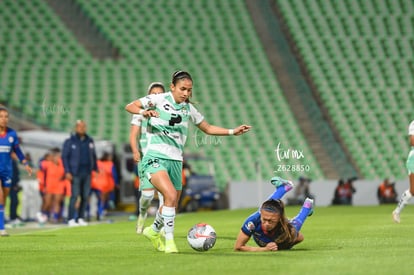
point(269, 227)
point(9, 143)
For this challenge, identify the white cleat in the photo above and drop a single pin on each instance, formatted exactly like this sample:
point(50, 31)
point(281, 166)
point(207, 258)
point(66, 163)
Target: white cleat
point(72, 223)
point(82, 222)
point(396, 216)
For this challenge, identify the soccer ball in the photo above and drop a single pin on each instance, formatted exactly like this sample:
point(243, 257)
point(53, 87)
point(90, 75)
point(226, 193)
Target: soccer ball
point(201, 237)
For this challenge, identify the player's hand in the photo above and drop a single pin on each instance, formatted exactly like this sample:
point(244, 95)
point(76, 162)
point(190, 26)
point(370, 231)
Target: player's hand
point(28, 169)
point(271, 246)
point(242, 129)
point(150, 113)
point(69, 176)
point(137, 156)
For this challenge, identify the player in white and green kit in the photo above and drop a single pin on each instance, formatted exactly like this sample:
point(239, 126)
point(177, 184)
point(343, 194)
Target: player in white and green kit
point(138, 130)
point(169, 116)
point(406, 196)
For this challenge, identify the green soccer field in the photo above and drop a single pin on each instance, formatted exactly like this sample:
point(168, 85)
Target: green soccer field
point(338, 240)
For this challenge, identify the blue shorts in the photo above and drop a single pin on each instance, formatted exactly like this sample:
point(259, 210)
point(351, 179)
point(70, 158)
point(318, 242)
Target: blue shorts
point(5, 181)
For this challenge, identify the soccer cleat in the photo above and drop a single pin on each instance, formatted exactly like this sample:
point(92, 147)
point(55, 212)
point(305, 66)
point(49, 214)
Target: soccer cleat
point(154, 237)
point(140, 224)
point(396, 216)
point(162, 233)
point(72, 223)
point(309, 204)
point(3, 233)
point(82, 222)
point(277, 182)
point(170, 247)
point(41, 218)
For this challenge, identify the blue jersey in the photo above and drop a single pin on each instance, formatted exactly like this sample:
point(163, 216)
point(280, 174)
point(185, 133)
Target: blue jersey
point(252, 227)
point(9, 143)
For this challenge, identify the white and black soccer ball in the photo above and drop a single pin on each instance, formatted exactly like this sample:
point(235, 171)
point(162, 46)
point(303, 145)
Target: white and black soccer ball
point(201, 237)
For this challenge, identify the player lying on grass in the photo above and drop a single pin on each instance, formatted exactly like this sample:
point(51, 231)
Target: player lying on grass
point(269, 227)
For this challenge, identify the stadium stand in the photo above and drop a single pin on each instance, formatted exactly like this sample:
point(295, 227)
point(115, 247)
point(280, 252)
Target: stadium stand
point(47, 74)
point(359, 56)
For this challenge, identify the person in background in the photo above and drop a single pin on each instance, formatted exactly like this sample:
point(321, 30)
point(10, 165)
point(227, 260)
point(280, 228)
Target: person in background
point(79, 160)
point(386, 192)
point(55, 187)
point(409, 193)
point(344, 192)
point(103, 182)
point(301, 191)
point(9, 142)
point(138, 130)
point(15, 188)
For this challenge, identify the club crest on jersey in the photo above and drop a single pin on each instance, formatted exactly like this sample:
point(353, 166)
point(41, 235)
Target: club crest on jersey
point(11, 139)
point(250, 226)
point(184, 112)
point(91, 145)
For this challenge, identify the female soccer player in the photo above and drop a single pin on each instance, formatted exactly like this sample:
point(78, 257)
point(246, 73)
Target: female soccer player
point(103, 183)
point(55, 184)
point(269, 227)
point(139, 129)
point(167, 131)
point(9, 142)
point(406, 196)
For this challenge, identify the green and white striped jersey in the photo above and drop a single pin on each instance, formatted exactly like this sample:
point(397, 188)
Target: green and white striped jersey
point(167, 134)
point(142, 122)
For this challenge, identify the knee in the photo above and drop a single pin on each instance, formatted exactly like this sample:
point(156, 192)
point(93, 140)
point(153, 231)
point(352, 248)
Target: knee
point(170, 199)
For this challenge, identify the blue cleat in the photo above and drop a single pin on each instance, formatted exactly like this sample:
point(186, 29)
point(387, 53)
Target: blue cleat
point(277, 182)
point(309, 204)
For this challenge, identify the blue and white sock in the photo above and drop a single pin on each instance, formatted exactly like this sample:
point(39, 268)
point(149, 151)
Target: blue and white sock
point(298, 221)
point(280, 192)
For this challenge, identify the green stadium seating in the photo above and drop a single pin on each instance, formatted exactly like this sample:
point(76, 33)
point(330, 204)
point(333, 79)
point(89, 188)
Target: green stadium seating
point(359, 54)
point(47, 66)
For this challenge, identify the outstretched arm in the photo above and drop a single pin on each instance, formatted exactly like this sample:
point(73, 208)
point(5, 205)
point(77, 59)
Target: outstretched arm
point(242, 240)
point(219, 131)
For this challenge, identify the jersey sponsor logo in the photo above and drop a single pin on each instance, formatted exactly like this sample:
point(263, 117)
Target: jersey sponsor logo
point(167, 107)
point(175, 119)
point(4, 149)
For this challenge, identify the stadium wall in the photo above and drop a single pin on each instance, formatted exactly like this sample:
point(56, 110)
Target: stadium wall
point(247, 194)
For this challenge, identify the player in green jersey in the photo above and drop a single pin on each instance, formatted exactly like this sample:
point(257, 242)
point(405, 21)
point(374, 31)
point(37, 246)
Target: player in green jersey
point(169, 115)
point(139, 130)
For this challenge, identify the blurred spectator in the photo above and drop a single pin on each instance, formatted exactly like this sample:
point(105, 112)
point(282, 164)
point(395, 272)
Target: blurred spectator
point(301, 192)
point(386, 192)
point(14, 190)
point(79, 160)
point(55, 186)
point(344, 192)
point(40, 175)
point(104, 182)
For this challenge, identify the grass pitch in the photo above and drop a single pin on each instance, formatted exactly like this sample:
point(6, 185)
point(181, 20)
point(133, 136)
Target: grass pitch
point(338, 240)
